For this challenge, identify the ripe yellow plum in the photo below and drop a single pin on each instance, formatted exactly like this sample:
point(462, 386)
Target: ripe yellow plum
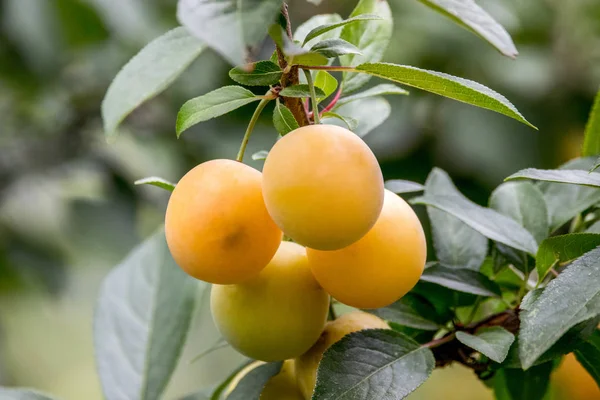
point(382, 266)
point(283, 386)
point(276, 315)
point(217, 226)
point(306, 365)
point(323, 186)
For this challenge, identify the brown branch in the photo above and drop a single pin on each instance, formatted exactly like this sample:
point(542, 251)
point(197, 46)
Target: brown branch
point(290, 77)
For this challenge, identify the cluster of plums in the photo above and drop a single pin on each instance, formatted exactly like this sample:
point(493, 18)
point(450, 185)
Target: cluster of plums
point(322, 187)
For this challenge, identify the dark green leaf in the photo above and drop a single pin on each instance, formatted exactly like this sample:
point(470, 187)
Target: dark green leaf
point(22, 394)
point(524, 202)
point(445, 85)
point(456, 244)
point(524, 385)
point(251, 385)
point(350, 123)
point(283, 119)
point(591, 141)
point(211, 105)
point(230, 28)
point(564, 248)
point(588, 355)
point(141, 323)
point(334, 48)
point(147, 74)
point(156, 181)
point(379, 90)
point(565, 201)
point(321, 29)
point(260, 155)
point(301, 90)
point(472, 17)
point(326, 82)
point(493, 342)
point(463, 280)
point(577, 177)
point(372, 364)
point(372, 37)
point(569, 299)
point(412, 311)
point(369, 112)
point(488, 222)
point(302, 31)
point(262, 73)
point(401, 186)
point(566, 344)
point(443, 299)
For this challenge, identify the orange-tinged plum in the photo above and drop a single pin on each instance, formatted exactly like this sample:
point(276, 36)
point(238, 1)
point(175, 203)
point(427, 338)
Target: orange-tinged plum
point(217, 226)
point(382, 266)
point(306, 365)
point(323, 186)
point(276, 315)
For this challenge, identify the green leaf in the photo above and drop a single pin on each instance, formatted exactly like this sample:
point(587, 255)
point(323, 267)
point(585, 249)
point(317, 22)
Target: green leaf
point(456, 244)
point(334, 48)
point(301, 90)
point(588, 355)
point(295, 54)
point(326, 82)
point(524, 385)
point(524, 202)
point(262, 73)
point(570, 298)
point(564, 248)
point(22, 394)
point(212, 105)
point(156, 181)
point(412, 311)
point(141, 323)
point(260, 155)
point(372, 364)
point(283, 119)
point(591, 141)
point(231, 28)
point(596, 165)
point(493, 342)
point(565, 201)
point(577, 177)
point(369, 112)
point(379, 90)
point(302, 31)
point(350, 123)
point(445, 85)
point(463, 280)
point(488, 222)
point(218, 391)
point(402, 186)
point(475, 19)
point(321, 29)
point(372, 37)
point(147, 74)
point(251, 385)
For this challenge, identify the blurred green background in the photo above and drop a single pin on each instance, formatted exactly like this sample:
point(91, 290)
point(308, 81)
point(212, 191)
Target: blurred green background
point(68, 208)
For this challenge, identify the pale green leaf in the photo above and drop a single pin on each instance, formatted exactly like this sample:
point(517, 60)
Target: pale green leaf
point(445, 85)
point(321, 29)
point(402, 186)
point(369, 112)
point(22, 394)
point(314, 22)
point(231, 28)
point(334, 48)
point(147, 74)
point(262, 73)
point(156, 181)
point(563, 248)
point(493, 342)
point(577, 177)
point(260, 155)
point(326, 82)
point(350, 123)
point(471, 16)
point(283, 119)
point(301, 90)
point(211, 105)
point(591, 141)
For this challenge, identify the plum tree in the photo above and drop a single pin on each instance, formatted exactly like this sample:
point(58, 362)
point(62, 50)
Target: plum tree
point(382, 266)
point(276, 315)
point(323, 186)
point(217, 227)
point(306, 365)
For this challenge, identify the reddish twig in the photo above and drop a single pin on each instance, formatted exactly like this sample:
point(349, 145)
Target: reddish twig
point(333, 102)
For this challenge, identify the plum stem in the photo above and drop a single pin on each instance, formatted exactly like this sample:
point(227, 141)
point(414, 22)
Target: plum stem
point(251, 124)
point(313, 96)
